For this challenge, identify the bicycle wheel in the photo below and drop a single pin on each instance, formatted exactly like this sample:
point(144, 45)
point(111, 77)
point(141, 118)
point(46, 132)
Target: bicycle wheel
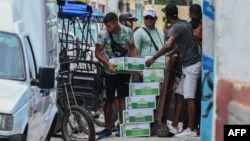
point(77, 125)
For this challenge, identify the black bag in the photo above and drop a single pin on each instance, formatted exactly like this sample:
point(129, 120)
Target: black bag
point(156, 48)
point(116, 48)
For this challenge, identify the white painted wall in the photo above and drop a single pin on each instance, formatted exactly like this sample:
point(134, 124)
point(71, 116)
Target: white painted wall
point(112, 6)
point(232, 40)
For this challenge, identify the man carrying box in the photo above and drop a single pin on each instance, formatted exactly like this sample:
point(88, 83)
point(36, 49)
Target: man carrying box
point(114, 41)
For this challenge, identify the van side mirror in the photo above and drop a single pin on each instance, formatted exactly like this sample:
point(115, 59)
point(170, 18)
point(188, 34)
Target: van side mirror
point(60, 2)
point(46, 77)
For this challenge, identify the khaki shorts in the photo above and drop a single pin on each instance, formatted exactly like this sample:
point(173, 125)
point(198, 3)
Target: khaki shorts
point(188, 84)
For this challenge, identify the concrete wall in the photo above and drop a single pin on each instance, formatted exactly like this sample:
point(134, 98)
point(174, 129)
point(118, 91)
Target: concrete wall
point(208, 47)
point(225, 58)
point(232, 66)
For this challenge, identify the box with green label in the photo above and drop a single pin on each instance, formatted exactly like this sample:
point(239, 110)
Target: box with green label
point(134, 64)
point(119, 61)
point(135, 130)
point(138, 116)
point(138, 89)
point(159, 63)
point(140, 102)
point(153, 75)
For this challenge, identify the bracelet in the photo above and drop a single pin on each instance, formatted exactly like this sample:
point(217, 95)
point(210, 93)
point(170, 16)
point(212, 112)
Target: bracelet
point(154, 57)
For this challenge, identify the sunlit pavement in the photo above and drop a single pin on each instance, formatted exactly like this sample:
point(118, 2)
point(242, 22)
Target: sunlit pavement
point(58, 137)
point(113, 138)
point(151, 138)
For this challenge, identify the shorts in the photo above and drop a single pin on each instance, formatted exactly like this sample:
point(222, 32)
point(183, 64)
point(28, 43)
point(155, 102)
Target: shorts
point(117, 82)
point(188, 84)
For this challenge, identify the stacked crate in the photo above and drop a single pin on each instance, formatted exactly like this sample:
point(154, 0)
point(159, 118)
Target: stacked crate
point(141, 103)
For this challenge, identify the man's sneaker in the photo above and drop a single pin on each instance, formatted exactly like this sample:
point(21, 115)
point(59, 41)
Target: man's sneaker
point(117, 134)
point(105, 133)
point(172, 129)
point(186, 133)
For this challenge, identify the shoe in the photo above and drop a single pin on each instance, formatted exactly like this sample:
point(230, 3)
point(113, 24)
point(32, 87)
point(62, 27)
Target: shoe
point(186, 133)
point(172, 129)
point(117, 134)
point(105, 133)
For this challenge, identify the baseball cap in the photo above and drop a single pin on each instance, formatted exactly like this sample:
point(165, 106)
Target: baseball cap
point(127, 16)
point(195, 8)
point(171, 10)
point(149, 12)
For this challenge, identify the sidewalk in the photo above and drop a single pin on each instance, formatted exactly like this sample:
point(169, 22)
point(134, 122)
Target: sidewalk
point(155, 138)
point(152, 138)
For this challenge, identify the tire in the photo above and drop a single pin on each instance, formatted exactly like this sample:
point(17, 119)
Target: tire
point(162, 130)
point(98, 117)
point(24, 137)
point(52, 128)
point(77, 125)
point(59, 119)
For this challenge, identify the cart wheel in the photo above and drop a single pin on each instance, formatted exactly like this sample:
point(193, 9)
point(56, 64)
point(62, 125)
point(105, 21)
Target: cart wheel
point(162, 130)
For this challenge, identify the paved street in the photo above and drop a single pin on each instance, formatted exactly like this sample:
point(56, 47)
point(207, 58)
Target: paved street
point(153, 138)
point(58, 137)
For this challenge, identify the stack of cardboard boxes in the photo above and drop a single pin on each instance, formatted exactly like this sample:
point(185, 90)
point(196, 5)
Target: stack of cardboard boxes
point(141, 103)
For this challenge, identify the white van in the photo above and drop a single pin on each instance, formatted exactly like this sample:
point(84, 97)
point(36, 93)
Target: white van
point(28, 68)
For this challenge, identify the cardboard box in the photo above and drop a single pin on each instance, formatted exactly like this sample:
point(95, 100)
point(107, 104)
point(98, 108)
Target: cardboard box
point(135, 130)
point(153, 75)
point(160, 63)
point(134, 64)
point(138, 116)
point(138, 89)
point(128, 64)
point(140, 102)
point(119, 61)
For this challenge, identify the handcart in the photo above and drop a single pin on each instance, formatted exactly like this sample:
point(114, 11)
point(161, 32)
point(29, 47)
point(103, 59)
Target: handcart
point(159, 127)
point(76, 56)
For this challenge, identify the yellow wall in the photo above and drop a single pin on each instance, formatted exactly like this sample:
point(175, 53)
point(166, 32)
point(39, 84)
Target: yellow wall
point(182, 10)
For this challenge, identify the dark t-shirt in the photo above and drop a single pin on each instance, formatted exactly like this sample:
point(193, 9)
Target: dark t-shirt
point(183, 32)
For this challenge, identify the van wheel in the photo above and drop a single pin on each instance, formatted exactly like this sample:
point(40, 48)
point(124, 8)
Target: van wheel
point(52, 128)
point(59, 119)
point(24, 138)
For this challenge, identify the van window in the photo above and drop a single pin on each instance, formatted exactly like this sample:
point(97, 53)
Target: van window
point(11, 57)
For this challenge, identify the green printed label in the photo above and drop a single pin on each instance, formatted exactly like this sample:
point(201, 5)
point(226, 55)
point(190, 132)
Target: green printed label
point(119, 67)
point(138, 132)
point(158, 66)
point(141, 118)
point(147, 91)
point(140, 105)
point(153, 79)
point(135, 66)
